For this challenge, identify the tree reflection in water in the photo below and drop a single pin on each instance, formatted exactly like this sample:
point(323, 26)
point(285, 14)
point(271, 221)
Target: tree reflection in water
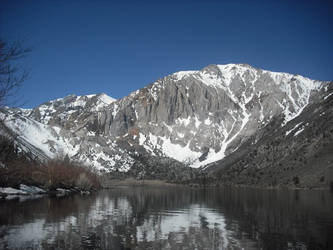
point(171, 218)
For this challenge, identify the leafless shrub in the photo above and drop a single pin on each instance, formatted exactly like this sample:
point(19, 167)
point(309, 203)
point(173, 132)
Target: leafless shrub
point(83, 182)
point(54, 174)
point(68, 175)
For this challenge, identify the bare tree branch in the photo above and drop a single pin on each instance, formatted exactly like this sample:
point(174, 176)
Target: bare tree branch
point(11, 74)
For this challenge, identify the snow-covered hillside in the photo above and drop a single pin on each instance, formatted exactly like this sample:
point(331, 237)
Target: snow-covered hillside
point(195, 117)
point(227, 104)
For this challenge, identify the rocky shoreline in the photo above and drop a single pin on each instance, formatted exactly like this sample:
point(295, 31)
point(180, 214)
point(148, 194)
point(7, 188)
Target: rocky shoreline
point(9, 193)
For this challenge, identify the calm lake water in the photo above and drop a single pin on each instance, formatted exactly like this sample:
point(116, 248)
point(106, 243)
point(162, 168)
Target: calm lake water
point(171, 218)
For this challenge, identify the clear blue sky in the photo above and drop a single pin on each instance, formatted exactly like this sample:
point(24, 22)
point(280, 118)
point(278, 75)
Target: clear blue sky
point(115, 47)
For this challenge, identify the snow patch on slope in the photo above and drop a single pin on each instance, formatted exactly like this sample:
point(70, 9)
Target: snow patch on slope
point(72, 103)
point(178, 152)
point(181, 74)
point(40, 136)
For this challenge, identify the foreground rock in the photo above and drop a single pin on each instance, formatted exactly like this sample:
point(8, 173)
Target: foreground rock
point(9, 193)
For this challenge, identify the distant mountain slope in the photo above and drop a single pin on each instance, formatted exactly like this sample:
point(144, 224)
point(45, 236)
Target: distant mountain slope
point(195, 117)
point(201, 116)
point(298, 154)
point(63, 127)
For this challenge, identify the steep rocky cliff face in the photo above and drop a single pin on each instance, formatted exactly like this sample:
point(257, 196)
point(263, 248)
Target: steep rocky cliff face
point(194, 117)
point(199, 117)
point(299, 154)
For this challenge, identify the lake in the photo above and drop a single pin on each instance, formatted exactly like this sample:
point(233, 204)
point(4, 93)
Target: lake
point(170, 218)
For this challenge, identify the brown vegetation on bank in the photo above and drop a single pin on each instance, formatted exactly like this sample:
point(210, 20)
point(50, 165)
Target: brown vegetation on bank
point(51, 175)
point(17, 167)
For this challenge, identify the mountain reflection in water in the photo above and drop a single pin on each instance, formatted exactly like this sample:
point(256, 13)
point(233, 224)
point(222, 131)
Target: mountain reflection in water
point(171, 218)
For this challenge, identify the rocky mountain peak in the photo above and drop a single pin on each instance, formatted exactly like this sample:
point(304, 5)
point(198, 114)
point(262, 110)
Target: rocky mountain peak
point(195, 117)
point(211, 111)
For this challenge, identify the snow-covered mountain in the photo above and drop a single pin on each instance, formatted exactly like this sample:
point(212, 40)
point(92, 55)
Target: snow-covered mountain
point(195, 117)
point(64, 127)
